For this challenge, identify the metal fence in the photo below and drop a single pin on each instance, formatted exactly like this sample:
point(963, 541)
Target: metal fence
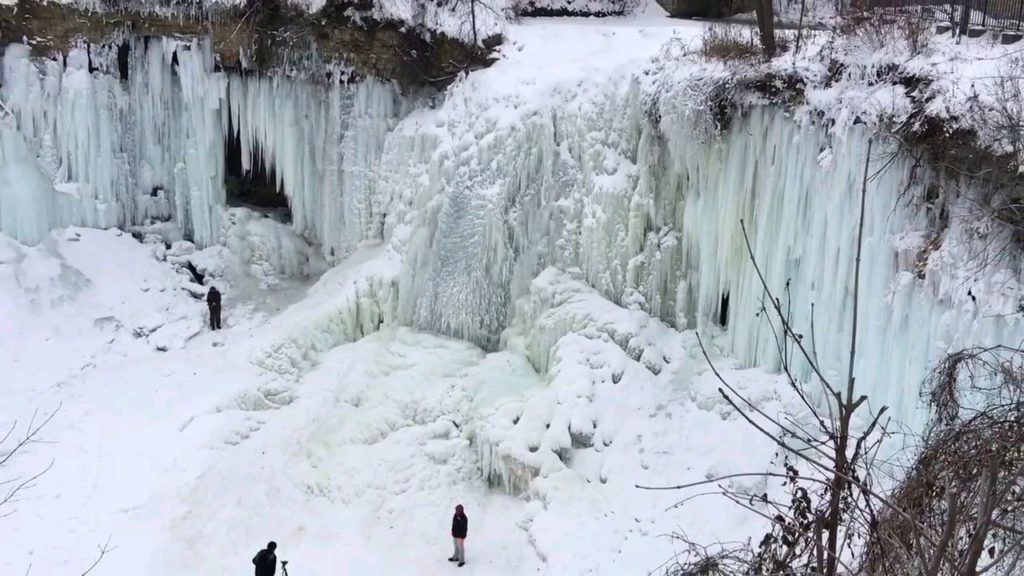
point(991, 14)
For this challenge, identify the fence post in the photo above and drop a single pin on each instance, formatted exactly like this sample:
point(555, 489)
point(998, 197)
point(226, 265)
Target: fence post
point(965, 17)
point(984, 13)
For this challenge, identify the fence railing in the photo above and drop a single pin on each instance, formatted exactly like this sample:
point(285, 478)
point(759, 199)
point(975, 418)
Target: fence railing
point(992, 14)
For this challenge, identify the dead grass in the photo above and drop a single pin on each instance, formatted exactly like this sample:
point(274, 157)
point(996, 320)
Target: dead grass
point(730, 43)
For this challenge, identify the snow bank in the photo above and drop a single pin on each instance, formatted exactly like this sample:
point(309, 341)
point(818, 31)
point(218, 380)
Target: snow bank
point(70, 288)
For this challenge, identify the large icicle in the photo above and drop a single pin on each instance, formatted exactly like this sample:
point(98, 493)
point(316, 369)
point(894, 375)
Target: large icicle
point(324, 144)
point(118, 151)
point(199, 179)
point(121, 151)
point(26, 195)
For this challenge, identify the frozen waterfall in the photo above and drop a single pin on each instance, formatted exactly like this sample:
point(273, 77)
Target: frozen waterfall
point(152, 146)
point(645, 207)
point(649, 214)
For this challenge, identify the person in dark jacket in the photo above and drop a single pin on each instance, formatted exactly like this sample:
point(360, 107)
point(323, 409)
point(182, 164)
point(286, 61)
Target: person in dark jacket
point(213, 303)
point(265, 560)
point(460, 526)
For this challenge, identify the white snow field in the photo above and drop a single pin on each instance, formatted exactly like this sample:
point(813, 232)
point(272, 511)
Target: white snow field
point(486, 298)
point(189, 458)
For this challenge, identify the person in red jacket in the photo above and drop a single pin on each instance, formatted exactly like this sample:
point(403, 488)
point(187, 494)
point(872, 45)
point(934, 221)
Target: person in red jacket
point(460, 526)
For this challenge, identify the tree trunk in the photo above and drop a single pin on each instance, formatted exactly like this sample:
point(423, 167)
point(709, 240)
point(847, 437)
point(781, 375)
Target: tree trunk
point(472, 16)
point(766, 25)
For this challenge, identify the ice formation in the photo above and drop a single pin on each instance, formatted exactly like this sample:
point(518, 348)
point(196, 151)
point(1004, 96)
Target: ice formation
point(649, 214)
point(152, 146)
point(476, 200)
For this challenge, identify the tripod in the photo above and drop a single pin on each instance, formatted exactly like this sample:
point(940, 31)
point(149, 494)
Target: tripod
point(284, 566)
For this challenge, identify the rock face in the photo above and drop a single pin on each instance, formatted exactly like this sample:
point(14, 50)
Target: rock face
point(263, 37)
point(706, 8)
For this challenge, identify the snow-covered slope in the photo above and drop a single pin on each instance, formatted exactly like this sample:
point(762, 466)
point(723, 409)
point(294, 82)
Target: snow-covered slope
point(189, 457)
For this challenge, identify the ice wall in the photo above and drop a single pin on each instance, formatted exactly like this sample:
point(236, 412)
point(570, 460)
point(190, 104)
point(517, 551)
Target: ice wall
point(150, 145)
point(648, 211)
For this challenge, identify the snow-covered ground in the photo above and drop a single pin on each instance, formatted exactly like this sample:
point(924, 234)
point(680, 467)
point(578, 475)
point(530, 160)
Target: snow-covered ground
point(191, 457)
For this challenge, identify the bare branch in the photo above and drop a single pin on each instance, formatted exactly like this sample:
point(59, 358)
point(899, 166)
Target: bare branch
point(104, 549)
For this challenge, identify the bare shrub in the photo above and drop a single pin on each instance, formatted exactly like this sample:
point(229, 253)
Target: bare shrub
point(1001, 114)
point(905, 34)
point(966, 487)
point(729, 43)
point(727, 559)
point(11, 445)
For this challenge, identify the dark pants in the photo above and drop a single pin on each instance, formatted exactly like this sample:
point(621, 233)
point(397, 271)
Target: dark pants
point(215, 317)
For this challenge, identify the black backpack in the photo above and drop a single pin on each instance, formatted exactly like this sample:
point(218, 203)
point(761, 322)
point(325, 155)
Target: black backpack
point(263, 563)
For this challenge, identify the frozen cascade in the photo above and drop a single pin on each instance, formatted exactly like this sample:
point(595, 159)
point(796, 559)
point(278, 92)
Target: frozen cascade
point(26, 195)
point(153, 146)
point(628, 195)
point(649, 214)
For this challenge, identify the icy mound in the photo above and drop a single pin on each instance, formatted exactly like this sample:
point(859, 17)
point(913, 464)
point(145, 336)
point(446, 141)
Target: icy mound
point(270, 249)
point(586, 346)
point(559, 304)
point(350, 301)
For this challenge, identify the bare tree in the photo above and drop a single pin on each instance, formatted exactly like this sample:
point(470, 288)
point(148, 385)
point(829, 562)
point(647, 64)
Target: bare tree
point(765, 12)
point(831, 503)
point(965, 18)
